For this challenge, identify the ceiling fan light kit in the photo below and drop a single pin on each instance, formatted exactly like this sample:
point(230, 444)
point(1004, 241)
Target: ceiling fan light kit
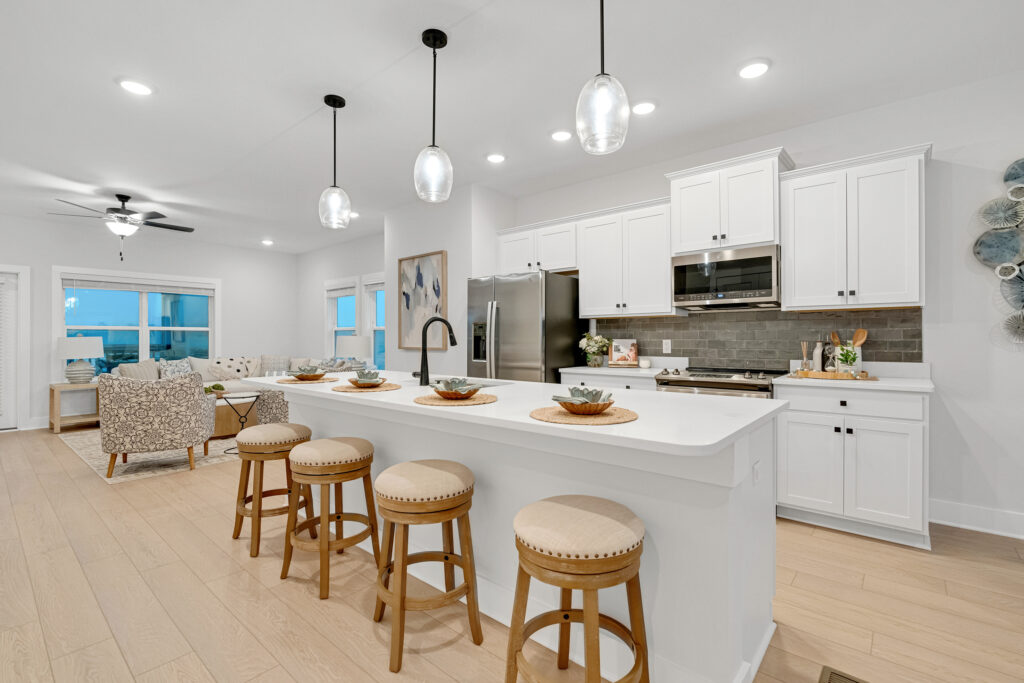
point(602, 110)
point(432, 174)
point(335, 205)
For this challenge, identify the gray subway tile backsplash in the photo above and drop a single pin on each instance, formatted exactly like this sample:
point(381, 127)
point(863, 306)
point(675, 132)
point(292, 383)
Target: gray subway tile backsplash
point(767, 340)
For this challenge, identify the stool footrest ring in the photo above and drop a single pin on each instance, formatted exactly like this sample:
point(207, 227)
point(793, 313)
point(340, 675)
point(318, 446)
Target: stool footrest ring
point(422, 604)
point(335, 544)
point(575, 616)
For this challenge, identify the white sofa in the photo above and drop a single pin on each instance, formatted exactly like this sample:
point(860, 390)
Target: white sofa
point(228, 371)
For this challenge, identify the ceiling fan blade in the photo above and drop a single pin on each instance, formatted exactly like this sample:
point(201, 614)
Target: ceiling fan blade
point(77, 215)
point(149, 216)
point(79, 206)
point(168, 226)
point(118, 211)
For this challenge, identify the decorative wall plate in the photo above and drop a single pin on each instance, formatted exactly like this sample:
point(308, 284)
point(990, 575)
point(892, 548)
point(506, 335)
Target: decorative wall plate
point(1006, 271)
point(1014, 327)
point(996, 247)
point(1012, 290)
point(1014, 173)
point(1002, 212)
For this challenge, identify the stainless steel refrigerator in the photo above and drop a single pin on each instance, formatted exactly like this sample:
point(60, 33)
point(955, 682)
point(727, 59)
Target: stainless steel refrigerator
point(524, 326)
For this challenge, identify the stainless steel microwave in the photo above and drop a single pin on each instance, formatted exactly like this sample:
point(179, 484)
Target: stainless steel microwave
point(727, 280)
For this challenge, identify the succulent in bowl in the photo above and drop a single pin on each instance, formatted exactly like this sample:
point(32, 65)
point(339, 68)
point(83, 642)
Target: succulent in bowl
point(366, 379)
point(307, 372)
point(367, 375)
point(455, 388)
point(585, 400)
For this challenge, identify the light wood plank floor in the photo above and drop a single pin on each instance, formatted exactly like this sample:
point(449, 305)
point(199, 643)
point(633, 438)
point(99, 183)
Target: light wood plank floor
point(142, 581)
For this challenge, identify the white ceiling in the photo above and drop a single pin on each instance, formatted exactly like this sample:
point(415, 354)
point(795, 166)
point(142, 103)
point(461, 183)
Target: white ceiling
point(236, 140)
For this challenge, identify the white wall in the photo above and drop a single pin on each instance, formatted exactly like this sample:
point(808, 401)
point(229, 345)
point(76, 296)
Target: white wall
point(977, 451)
point(349, 259)
point(257, 292)
point(491, 212)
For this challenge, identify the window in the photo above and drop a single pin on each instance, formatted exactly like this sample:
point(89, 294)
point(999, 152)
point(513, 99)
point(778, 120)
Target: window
point(376, 321)
point(139, 321)
point(355, 306)
point(342, 301)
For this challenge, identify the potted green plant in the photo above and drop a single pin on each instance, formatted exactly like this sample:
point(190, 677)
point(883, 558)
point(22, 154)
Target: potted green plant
point(847, 359)
point(595, 346)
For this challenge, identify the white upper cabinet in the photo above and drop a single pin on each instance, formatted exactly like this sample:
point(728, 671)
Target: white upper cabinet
point(625, 265)
point(852, 232)
point(556, 247)
point(516, 252)
point(728, 204)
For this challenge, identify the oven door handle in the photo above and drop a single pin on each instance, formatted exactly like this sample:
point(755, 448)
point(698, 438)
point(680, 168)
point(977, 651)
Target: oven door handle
point(714, 392)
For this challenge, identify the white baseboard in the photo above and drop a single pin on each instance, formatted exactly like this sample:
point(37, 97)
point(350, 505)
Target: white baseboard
point(977, 518)
point(35, 423)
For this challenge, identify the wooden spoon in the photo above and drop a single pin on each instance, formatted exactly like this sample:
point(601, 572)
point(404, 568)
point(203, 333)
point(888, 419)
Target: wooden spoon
point(835, 340)
point(860, 336)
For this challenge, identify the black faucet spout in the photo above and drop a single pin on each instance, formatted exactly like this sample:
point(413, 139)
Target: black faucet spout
point(424, 369)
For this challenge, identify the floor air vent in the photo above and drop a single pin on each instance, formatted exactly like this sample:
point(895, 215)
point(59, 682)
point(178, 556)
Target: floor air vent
point(830, 675)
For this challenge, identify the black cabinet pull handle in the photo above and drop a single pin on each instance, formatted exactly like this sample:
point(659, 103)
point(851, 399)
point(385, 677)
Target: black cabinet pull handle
point(529, 265)
point(841, 293)
point(627, 386)
point(618, 305)
point(838, 430)
point(583, 384)
point(623, 305)
point(853, 292)
point(849, 430)
point(714, 237)
point(538, 264)
point(721, 237)
point(842, 403)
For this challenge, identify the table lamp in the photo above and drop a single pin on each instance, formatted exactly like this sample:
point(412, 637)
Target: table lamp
point(76, 349)
point(354, 346)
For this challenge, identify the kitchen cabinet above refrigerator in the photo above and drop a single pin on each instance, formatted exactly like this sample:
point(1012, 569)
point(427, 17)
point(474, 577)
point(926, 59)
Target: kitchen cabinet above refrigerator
point(551, 247)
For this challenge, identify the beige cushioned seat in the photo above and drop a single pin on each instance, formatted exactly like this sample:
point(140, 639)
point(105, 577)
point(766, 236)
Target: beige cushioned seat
point(424, 480)
point(273, 434)
point(578, 527)
point(340, 450)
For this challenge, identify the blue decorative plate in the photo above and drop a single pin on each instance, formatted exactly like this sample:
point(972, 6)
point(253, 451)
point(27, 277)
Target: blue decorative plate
point(1002, 212)
point(1014, 172)
point(1013, 291)
point(1000, 246)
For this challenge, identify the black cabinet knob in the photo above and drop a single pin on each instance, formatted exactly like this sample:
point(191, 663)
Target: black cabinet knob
point(849, 430)
point(627, 386)
point(838, 430)
point(529, 265)
point(618, 305)
point(583, 384)
point(841, 293)
point(714, 237)
point(853, 292)
point(842, 403)
point(721, 237)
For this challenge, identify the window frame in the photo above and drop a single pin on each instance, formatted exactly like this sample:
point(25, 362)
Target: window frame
point(362, 286)
point(147, 282)
point(370, 285)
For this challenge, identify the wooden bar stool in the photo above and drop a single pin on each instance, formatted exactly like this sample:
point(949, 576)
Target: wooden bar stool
point(257, 445)
point(578, 543)
point(424, 492)
point(325, 462)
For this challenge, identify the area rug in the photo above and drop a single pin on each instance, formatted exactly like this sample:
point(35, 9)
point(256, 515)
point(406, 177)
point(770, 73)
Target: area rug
point(86, 443)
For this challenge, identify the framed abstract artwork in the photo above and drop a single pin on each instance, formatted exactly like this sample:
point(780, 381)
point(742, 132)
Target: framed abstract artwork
point(422, 294)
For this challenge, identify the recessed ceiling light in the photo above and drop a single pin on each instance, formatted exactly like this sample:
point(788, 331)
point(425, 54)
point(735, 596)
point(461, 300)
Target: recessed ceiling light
point(353, 214)
point(561, 135)
point(496, 158)
point(267, 243)
point(755, 68)
point(643, 108)
point(135, 88)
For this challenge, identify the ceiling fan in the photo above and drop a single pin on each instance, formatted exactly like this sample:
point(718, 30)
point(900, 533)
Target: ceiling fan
point(123, 222)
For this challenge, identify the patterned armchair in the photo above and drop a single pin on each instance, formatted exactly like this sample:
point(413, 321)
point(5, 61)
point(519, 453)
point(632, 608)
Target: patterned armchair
point(140, 416)
point(271, 407)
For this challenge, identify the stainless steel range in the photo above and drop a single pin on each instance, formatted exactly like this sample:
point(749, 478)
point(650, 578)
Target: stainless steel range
point(719, 381)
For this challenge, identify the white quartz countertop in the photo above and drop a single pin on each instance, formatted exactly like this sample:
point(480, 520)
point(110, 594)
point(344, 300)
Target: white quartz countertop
point(612, 372)
point(673, 423)
point(911, 384)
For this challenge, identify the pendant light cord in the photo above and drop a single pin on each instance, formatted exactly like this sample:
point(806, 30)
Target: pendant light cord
point(334, 145)
point(433, 112)
point(602, 38)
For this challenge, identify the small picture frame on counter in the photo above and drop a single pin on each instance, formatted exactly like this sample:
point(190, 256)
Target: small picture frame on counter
point(623, 353)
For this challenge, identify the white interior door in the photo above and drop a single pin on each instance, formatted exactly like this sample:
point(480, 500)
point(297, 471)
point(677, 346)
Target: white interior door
point(814, 241)
point(810, 467)
point(749, 212)
point(8, 350)
point(646, 261)
point(600, 261)
point(885, 471)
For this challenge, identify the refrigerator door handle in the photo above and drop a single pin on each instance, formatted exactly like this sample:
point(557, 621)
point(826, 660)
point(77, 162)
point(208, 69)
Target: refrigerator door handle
point(492, 332)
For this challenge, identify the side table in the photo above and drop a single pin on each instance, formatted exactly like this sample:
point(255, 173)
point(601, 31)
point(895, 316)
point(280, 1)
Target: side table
point(57, 420)
point(234, 401)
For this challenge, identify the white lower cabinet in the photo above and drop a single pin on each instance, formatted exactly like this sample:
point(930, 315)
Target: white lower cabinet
point(810, 469)
point(590, 379)
point(883, 471)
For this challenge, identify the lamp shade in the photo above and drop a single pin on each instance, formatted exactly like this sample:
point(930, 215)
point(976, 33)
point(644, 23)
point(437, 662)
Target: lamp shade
point(70, 348)
point(353, 346)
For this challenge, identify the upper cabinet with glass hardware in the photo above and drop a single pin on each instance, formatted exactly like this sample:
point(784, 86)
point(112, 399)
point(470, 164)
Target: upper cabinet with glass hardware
point(728, 204)
point(552, 247)
point(853, 232)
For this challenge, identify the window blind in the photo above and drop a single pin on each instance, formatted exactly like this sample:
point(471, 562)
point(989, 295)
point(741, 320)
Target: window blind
point(137, 286)
point(347, 290)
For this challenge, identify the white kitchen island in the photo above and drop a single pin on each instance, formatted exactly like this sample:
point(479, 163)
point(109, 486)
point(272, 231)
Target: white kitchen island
point(699, 471)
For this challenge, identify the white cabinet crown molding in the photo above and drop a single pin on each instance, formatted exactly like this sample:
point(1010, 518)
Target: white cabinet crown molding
point(596, 213)
point(923, 150)
point(785, 163)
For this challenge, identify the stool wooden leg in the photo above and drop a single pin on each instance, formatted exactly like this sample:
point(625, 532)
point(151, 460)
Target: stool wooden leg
point(382, 561)
point(289, 528)
point(515, 629)
point(257, 508)
point(448, 545)
point(339, 532)
point(124, 458)
point(469, 576)
point(191, 458)
point(371, 512)
point(206, 447)
point(398, 606)
point(591, 632)
point(563, 630)
point(325, 538)
point(110, 467)
point(636, 623)
point(309, 512)
point(243, 488)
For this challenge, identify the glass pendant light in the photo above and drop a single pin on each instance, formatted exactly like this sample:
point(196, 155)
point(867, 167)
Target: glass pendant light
point(335, 206)
point(432, 175)
point(602, 111)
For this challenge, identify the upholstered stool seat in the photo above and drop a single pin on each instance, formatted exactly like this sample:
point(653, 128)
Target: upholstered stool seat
point(578, 543)
point(424, 492)
point(274, 434)
point(323, 463)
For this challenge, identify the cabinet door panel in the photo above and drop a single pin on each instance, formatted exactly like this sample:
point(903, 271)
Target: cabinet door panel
point(646, 261)
point(883, 232)
point(556, 247)
point(600, 263)
point(814, 241)
point(884, 472)
point(516, 253)
point(696, 208)
point(749, 211)
point(810, 468)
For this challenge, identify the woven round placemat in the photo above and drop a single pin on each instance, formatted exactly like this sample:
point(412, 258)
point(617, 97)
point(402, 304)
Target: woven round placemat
point(435, 400)
point(560, 415)
point(349, 389)
point(292, 380)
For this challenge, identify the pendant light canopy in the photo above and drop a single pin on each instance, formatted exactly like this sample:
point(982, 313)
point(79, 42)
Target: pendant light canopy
point(335, 206)
point(432, 175)
point(602, 111)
